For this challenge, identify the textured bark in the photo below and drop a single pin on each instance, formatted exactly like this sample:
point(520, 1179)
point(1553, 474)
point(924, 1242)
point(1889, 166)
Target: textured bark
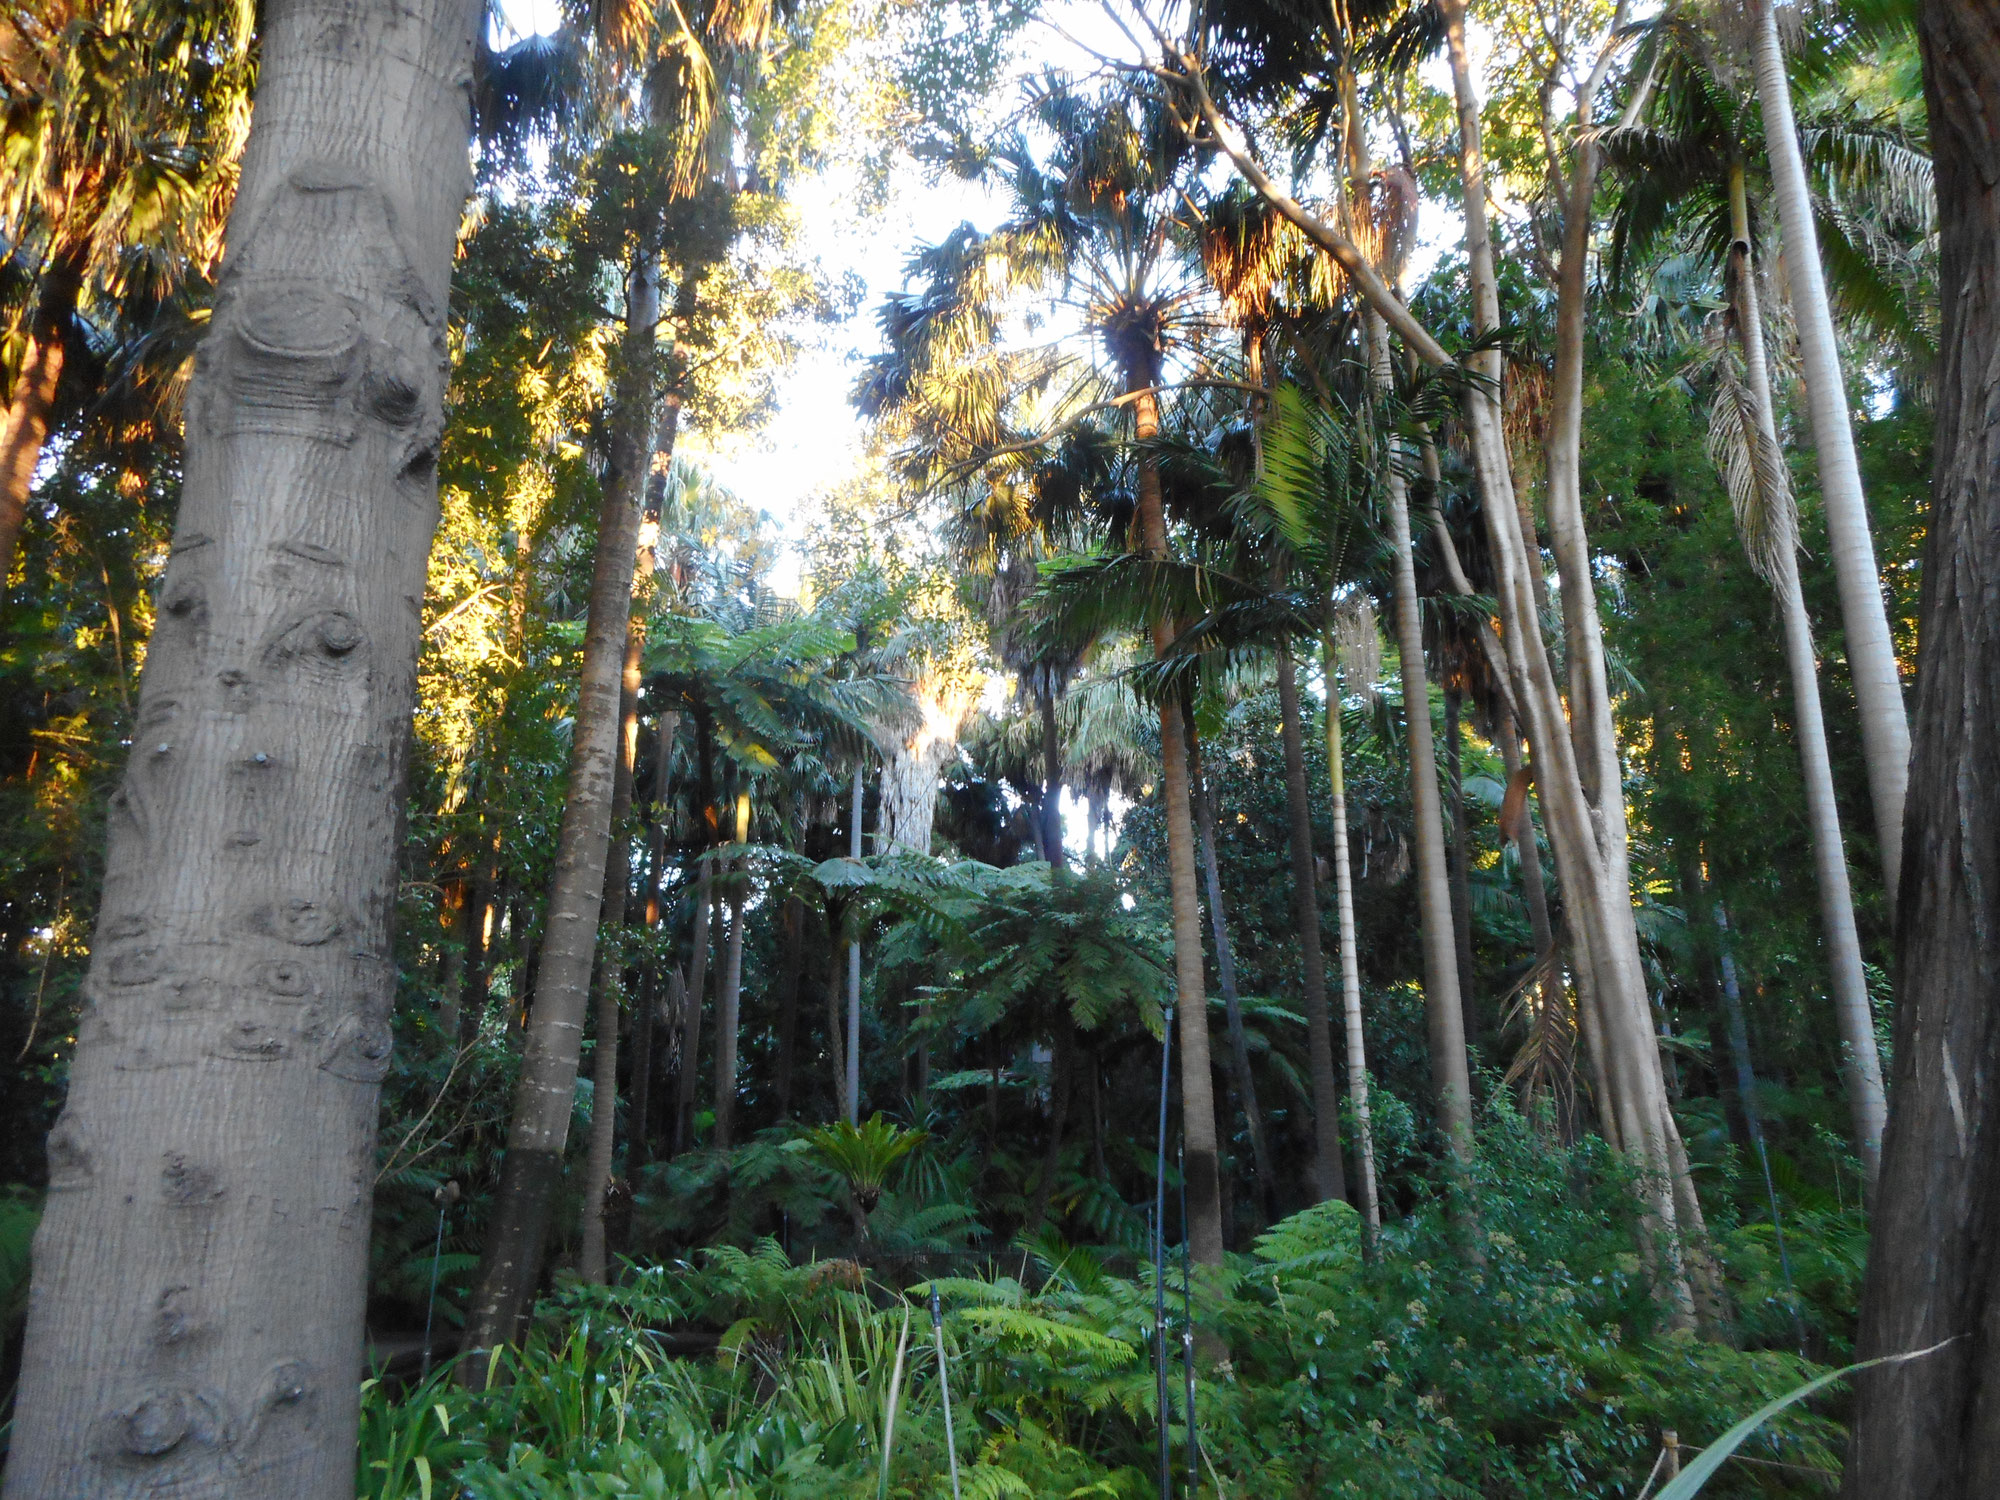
point(791, 981)
point(1329, 1171)
point(1350, 962)
point(592, 1259)
point(31, 407)
point(1052, 775)
point(544, 1099)
point(1443, 1014)
point(729, 998)
point(1871, 655)
point(1225, 978)
point(1847, 980)
point(195, 1325)
point(639, 1131)
point(1204, 1197)
point(1929, 1429)
point(910, 770)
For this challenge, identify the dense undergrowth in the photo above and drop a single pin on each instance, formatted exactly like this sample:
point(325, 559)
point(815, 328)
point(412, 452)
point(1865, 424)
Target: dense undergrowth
point(1499, 1342)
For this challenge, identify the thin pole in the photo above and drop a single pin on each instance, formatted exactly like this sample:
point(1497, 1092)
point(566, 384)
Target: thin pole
point(944, 1386)
point(444, 1197)
point(852, 1085)
point(1187, 1333)
point(1160, 1267)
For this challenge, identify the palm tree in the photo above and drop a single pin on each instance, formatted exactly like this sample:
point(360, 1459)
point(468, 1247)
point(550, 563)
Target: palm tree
point(1878, 683)
point(121, 124)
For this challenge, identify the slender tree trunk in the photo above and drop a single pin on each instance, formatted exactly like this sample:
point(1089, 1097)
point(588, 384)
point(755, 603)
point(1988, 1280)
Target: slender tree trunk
point(639, 1133)
point(1350, 962)
point(1062, 1065)
point(1929, 1429)
point(592, 1258)
point(1460, 862)
point(25, 428)
point(545, 1098)
point(836, 1053)
point(1867, 1103)
point(1450, 1075)
point(850, 1094)
point(1329, 1172)
point(729, 1003)
point(200, 1272)
point(791, 980)
point(1225, 978)
point(704, 906)
point(1204, 1195)
point(1871, 655)
point(1052, 774)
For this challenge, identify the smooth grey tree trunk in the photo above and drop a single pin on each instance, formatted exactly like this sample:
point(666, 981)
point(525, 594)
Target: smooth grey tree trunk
point(544, 1099)
point(1871, 655)
point(729, 998)
point(1329, 1172)
point(196, 1320)
point(1350, 961)
point(1868, 1105)
point(1443, 1010)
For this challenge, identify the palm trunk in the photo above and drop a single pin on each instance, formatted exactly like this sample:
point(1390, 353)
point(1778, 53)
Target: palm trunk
point(1329, 1172)
point(639, 1132)
point(1062, 1065)
point(1443, 1012)
point(850, 1093)
point(1350, 962)
point(200, 1272)
point(1867, 1103)
point(592, 1257)
point(791, 980)
point(1461, 862)
point(1052, 774)
point(1871, 655)
point(1204, 1189)
point(1225, 977)
point(25, 427)
point(704, 905)
point(729, 1003)
point(1930, 1427)
point(545, 1097)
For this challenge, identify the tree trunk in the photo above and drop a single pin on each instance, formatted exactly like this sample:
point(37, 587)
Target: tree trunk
point(1450, 1075)
point(1204, 1196)
point(1871, 655)
point(1930, 1429)
point(639, 1129)
point(704, 905)
point(200, 1271)
point(910, 770)
point(26, 426)
point(791, 980)
point(1460, 862)
point(545, 1098)
point(1350, 963)
point(850, 1092)
point(1052, 773)
point(1848, 981)
point(1225, 978)
point(1329, 1172)
point(1062, 1067)
point(729, 1001)
point(592, 1259)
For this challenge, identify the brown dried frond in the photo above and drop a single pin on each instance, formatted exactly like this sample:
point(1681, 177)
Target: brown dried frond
point(1545, 1065)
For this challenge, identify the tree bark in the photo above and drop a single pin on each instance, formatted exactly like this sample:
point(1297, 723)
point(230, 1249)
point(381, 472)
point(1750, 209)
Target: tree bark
point(1329, 1171)
point(200, 1271)
point(1444, 1015)
point(910, 770)
point(729, 1001)
point(1052, 773)
point(1225, 978)
point(1350, 963)
point(1929, 1429)
point(1204, 1195)
point(791, 980)
point(31, 409)
point(592, 1259)
point(639, 1130)
point(1871, 655)
point(1862, 1063)
point(704, 905)
point(544, 1100)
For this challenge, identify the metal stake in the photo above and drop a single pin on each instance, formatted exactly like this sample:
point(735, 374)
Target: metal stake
point(1187, 1331)
point(1159, 1217)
